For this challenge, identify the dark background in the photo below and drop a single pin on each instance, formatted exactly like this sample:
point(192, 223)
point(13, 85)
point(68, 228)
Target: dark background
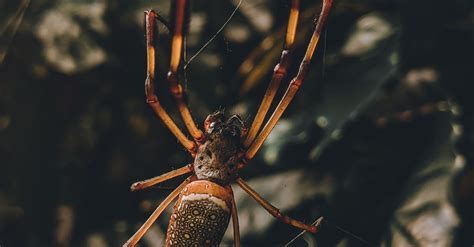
point(378, 140)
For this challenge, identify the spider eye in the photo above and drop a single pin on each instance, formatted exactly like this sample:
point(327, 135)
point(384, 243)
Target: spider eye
point(243, 132)
point(212, 121)
point(209, 127)
point(235, 121)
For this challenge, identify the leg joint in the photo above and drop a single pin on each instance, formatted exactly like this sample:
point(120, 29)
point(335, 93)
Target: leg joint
point(175, 88)
point(150, 95)
point(282, 66)
point(303, 70)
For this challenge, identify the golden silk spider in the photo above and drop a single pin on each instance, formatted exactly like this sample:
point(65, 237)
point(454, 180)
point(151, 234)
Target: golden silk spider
point(205, 199)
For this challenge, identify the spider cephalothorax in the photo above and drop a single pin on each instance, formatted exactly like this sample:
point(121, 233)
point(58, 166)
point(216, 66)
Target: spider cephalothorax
point(217, 158)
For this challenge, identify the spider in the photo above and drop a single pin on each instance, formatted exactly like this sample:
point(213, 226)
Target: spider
point(205, 199)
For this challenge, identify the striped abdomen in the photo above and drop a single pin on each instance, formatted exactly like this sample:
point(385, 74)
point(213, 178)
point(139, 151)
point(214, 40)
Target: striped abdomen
point(201, 215)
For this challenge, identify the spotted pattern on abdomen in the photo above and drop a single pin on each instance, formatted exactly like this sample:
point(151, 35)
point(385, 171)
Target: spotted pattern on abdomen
point(198, 221)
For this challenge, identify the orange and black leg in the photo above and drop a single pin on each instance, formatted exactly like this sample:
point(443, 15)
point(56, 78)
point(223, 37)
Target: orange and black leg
point(278, 74)
point(175, 87)
point(144, 228)
point(294, 84)
point(275, 212)
point(151, 97)
point(164, 177)
point(235, 223)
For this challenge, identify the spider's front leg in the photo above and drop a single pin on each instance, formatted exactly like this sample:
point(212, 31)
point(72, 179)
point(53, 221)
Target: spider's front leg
point(278, 74)
point(294, 84)
point(152, 99)
point(175, 87)
point(281, 107)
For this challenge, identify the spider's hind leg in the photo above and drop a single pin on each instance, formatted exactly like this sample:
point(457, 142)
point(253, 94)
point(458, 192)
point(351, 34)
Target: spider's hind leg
point(144, 228)
point(275, 212)
point(235, 223)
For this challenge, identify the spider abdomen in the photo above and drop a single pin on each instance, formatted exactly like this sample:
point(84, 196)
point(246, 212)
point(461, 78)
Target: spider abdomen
point(201, 215)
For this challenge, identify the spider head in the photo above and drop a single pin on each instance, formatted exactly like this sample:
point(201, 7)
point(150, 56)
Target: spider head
point(232, 127)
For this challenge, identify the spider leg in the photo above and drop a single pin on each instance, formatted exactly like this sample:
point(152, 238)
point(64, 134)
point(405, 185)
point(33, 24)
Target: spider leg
point(278, 73)
point(235, 223)
point(294, 84)
point(144, 228)
point(175, 87)
point(163, 177)
point(275, 212)
point(151, 97)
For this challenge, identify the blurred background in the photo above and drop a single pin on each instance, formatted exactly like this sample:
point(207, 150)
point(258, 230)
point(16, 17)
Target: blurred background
point(379, 140)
